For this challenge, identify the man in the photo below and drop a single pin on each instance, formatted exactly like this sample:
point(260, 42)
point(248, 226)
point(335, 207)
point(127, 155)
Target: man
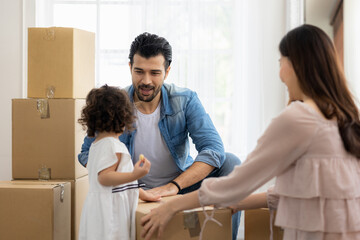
point(166, 116)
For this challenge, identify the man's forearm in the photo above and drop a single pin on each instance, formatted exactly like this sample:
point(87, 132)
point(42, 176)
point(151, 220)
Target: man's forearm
point(83, 156)
point(195, 173)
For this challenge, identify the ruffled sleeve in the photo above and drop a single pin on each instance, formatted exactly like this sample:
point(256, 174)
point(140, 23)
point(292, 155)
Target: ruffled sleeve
point(285, 140)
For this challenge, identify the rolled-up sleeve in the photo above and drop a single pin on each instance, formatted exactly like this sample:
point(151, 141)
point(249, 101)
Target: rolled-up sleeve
point(84, 154)
point(204, 134)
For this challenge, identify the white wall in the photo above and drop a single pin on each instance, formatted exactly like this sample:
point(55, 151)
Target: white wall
point(319, 12)
point(10, 74)
point(351, 45)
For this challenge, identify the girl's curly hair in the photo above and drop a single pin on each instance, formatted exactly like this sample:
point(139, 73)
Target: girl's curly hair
point(107, 109)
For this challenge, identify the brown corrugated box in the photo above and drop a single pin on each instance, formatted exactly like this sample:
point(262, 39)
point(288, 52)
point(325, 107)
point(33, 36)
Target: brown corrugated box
point(40, 211)
point(79, 190)
point(53, 140)
point(187, 225)
point(257, 225)
point(63, 58)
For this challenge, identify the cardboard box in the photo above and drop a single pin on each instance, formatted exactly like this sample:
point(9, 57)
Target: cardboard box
point(53, 140)
point(38, 211)
point(62, 58)
point(257, 225)
point(79, 190)
point(187, 225)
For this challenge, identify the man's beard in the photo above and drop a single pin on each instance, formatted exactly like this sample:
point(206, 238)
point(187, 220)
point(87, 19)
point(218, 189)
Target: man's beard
point(147, 98)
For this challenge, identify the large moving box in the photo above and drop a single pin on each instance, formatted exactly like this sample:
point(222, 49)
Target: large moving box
point(187, 225)
point(257, 225)
point(47, 138)
point(79, 190)
point(62, 59)
point(40, 211)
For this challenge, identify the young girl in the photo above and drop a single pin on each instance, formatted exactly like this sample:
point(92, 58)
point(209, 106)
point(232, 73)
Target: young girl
point(109, 209)
point(312, 147)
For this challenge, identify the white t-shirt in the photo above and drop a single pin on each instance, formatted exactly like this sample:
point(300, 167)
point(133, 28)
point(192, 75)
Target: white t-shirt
point(148, 141)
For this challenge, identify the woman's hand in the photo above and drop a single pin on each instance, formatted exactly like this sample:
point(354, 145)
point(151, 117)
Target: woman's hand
point(148, 196)
point(157, 220)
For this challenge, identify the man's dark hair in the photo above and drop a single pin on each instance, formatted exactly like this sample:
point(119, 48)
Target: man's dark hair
point(150, 45)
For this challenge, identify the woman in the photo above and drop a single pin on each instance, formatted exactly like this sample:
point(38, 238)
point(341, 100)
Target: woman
point(312, 147)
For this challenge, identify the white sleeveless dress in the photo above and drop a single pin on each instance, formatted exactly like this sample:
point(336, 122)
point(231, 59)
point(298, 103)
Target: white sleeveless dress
point(109, 211)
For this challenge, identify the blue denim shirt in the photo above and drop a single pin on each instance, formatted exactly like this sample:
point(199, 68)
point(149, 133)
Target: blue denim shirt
point(181, 115)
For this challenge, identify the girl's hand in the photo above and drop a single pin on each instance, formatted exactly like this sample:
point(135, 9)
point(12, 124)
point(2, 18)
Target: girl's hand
point(148, 196)
point(142, 167)
point(156, 220)
point(234, 209)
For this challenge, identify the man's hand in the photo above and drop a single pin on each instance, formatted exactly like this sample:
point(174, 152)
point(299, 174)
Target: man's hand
point(167, 190)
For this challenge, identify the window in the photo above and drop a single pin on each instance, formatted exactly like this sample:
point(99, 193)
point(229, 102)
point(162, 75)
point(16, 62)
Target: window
point(200, 33)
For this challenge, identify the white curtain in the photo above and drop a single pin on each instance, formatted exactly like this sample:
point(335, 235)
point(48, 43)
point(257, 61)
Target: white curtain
point(225, 50)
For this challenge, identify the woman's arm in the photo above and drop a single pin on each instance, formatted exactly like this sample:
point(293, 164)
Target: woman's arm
point(159, 217)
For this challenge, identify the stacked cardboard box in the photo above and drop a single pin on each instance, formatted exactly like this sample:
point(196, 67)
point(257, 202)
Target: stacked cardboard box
point(187, 225)
point(46, 137)
point(35, 210)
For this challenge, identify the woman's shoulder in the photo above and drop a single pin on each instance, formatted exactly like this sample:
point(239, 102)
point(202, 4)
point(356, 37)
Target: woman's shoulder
point(296, 117)
point(297, 111)
point(305, 113)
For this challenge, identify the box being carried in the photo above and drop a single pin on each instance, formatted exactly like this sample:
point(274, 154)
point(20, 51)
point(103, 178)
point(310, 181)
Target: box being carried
point(61, 60)
point(46, 136)
point(38, 211)
point(257, 225)
point(187, 225)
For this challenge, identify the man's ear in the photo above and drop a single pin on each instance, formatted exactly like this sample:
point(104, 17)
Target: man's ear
point(130, 66)
point(167, 72)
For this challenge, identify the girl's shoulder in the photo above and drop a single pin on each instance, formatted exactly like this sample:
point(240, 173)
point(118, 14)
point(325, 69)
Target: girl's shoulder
point(119, 147)
point(110, 142)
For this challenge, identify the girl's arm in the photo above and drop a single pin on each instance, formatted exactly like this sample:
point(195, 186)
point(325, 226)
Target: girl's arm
point(110, 177)
point(254, 201)
point(148, 196)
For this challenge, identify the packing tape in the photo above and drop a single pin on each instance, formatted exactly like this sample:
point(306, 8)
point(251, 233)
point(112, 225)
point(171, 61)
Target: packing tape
point(62, 192)
point(44, 173)
point(50, 92)
point(192, 223)
point(43, 108)
point(49, 34)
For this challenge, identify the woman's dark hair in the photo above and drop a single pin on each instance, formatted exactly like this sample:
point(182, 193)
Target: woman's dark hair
point(107, 109)
point(150, 45)
point(321, 78)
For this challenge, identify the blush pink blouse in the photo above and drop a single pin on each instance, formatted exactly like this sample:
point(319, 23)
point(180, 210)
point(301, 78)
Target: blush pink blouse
point(317, 184)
